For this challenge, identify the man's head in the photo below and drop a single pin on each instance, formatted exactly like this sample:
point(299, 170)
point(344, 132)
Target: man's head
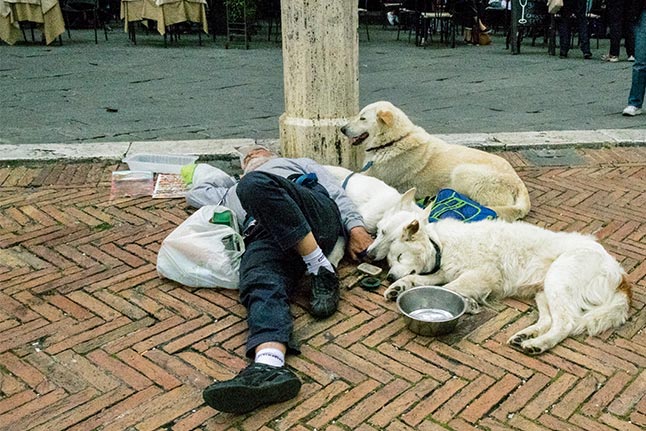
point(252, 156)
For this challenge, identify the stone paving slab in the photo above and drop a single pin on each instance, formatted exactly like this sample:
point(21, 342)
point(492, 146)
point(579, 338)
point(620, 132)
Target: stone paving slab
point(92, 339)
point(113, 91)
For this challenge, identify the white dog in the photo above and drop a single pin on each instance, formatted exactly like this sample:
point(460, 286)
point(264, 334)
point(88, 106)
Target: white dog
point(578, 286)
point(390, 223)
point(374, 199)
point(405, 156)
point(372, 196)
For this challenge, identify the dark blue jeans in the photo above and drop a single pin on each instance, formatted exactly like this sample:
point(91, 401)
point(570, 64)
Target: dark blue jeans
point(578, 8)
point(270, 269)
point(638, 86)
point(620, 26)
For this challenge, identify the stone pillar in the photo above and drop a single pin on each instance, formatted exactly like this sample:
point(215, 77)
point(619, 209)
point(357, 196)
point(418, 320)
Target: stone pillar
point(321, 80)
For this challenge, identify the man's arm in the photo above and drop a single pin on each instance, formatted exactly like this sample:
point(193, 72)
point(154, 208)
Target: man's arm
point(358, 237)
point(350, 216)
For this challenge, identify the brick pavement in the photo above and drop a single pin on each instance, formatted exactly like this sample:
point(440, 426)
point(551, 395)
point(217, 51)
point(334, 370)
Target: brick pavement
point(92, 339)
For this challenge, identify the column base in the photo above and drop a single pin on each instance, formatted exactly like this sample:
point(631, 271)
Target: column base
point(320, 140)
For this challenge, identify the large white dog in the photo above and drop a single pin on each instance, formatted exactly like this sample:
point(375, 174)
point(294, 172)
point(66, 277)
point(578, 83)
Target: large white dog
point(373, 197)
point(405, 156)
point(374, 200)
point(577, 285)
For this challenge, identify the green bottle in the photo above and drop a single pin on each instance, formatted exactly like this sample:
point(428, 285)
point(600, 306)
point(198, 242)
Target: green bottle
point(227, 218)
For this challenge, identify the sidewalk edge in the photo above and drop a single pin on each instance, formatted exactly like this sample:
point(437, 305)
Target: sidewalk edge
point(225, 148)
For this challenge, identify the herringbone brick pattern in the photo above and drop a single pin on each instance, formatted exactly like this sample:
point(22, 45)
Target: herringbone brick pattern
point(92, 339)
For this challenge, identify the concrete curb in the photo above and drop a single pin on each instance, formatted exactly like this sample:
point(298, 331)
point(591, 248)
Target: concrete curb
point(224, 149)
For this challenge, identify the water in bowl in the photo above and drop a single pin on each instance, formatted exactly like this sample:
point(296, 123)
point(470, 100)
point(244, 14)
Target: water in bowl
point(431, 314)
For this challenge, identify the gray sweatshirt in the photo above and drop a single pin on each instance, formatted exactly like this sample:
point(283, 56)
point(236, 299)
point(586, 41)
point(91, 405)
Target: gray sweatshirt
point(209, 193)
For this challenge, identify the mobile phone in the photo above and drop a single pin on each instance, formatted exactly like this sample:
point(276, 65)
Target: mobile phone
point(369, 269)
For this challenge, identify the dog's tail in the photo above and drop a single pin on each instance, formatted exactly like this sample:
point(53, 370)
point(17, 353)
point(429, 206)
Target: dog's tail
point(519, 209)
point(612, 313)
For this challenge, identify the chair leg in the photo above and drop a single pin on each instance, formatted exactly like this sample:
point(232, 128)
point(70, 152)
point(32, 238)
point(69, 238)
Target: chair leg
point(96, 34)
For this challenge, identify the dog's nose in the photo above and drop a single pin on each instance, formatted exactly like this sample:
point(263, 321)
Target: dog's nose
point(391, 278)
point(344, 129)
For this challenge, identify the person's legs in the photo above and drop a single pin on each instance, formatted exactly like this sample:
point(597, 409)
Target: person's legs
point(298, 218)
point(267, 274)
point(564, 27)
point(288, 211)
point(615, 18)
point(638, 86)
point(629, 37)
point(582, 20)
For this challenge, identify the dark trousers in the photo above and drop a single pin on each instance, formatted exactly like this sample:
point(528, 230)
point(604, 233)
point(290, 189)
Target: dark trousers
point(620, 26)
point(578, 8)
point(270, 269)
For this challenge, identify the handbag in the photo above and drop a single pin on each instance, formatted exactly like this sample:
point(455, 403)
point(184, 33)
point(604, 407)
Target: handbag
point(480, 38)
point(204, 251)
point(554, 6)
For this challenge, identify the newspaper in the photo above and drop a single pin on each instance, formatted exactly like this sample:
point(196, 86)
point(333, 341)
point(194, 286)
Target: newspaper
point(169, 186)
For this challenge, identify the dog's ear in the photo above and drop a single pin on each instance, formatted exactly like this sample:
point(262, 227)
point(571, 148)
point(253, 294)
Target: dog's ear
point(427, 212)
point(411, 230)
point(407, 199)
point(386, 117)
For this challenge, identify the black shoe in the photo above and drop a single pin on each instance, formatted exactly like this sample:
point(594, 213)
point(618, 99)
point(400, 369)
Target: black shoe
point(325, 293)
point(256, 385)
point(587, 56)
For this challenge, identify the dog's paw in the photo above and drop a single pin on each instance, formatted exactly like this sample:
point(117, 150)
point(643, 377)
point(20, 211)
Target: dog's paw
point(393, 291)
point(525, 344)
point(472, 306)
point(517, 340)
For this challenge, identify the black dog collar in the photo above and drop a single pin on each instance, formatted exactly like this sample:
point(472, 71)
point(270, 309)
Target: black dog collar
point(388, 144)
point(438, 259)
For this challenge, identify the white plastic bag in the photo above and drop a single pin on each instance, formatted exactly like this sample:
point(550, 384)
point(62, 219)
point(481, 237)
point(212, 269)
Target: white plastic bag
point(195, 253)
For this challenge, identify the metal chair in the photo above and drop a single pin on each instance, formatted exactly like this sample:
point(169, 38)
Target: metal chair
point(363, 16)
point(83, 9)
point(238, 24)
point(444, 15)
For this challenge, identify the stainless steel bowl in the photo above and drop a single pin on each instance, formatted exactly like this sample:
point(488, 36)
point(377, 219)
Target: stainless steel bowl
point(430, 310)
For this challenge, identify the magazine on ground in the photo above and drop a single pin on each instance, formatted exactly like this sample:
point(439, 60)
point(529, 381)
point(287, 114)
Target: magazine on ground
point(169, 186)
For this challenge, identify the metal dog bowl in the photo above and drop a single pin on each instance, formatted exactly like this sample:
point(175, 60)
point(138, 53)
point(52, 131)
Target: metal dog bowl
point(430, 310)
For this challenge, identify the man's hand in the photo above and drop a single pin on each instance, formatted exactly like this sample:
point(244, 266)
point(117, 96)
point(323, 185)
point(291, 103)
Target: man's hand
point(359, 242)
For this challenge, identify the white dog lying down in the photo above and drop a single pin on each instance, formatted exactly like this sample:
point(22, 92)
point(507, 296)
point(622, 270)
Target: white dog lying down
point(372, 196)
point(373, 199)
point(578, 286)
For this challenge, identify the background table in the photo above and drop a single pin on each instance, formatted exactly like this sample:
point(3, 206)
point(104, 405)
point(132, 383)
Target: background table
point(165, 12)
point(44, 12)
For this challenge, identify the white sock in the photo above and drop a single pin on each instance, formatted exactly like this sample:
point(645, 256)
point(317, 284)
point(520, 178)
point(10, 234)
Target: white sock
point(270, 356)
point(315, 260)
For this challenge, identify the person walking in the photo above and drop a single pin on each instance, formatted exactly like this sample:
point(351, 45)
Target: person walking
point(621, 25)
point(579, 9)
point(294, 213)
point(638, 85)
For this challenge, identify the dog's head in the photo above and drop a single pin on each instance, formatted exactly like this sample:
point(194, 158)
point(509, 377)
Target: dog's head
point(411, 252)
point(377, 123)
point(392, 221)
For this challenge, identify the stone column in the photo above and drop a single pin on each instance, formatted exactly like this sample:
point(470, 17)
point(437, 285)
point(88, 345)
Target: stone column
point(320, 69)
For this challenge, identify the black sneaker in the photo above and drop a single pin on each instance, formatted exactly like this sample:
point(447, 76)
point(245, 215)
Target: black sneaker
point(256, 385)
point(325, 293)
